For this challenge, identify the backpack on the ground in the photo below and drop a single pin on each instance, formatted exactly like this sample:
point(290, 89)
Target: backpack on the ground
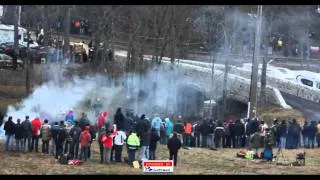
point(267, 154)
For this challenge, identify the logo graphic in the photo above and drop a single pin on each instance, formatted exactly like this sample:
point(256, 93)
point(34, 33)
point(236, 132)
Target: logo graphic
point(157, 166)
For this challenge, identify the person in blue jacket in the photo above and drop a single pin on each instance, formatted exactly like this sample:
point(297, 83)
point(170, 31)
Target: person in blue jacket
point(156, 123)
point(169, 128)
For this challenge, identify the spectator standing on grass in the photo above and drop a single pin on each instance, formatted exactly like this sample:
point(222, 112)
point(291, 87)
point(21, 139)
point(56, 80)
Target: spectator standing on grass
point(36, 126)
point(311, 133)
point(163, 132)
point(93, 133)
point(27, 129)
point(187, 134)
point(145, 142)
point(54, 134)
point(196, 131)
point(218, 135)
point(61, 138)
point(154, 138)
point(204, 130)
point(143, 125)
point(85, 139)
point(283, 132)
point(19, 135)
point(174, 144)
point(305, 134)
point(179, 129)
point(275, 132)
point(46, 136)
point(296, 133)
point(67, 144)
point(263, 127)
point(119, 141)
point(9, 128)
point(169, 128)
point(107, 140)
point(75, 135)
point(102, 133)
point(133, 144)
point(119, 119)
point(318, 134)
point(255, 142)
point(156, 123)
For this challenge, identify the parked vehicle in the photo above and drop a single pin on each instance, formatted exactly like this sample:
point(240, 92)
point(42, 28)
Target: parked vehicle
point(5, 48)
point(308, 81)
point(6, 62)
point(39, 54)
point(7, 35)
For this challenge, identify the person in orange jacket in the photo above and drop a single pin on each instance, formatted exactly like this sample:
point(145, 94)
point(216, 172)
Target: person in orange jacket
point(36, 126)
point(187, 133)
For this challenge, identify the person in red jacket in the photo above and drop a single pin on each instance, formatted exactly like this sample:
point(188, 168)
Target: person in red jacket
point(107, 140)
point(36, 125)
point(102, 119)
point(85, 139)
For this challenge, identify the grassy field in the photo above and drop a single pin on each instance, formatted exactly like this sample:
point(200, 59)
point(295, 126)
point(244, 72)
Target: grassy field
point(194, 161)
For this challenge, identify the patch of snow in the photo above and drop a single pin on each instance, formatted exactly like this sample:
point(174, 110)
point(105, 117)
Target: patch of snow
point(280, 98)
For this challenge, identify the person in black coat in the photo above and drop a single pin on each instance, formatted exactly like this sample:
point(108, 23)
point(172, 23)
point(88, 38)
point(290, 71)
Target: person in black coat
point(19, 134)
point(174, 144)
point(143, 125)
point(283, 132)
point(179, 129)
point(311, 134)
point(93, 133)
point(204, 131)
point(119, 119)
point(9, 128)
point(255, 126)
point(27, 129)
point(60, 139)
point(75, 135)
point(296, 133)
point(239, 134)
point(232, 130)
point(154, 138)
point(145, 142)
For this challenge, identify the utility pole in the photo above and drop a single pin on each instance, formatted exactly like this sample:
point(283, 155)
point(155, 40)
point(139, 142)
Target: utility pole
point(255, 66)
point(19, 18)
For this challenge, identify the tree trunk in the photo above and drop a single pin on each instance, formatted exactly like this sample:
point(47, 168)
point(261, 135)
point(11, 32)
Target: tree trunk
point(27, 66)
point(263, 80)
point(67, 22)
point(16, 40)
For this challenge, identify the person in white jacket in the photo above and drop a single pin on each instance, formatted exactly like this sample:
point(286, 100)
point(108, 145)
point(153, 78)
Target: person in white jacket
point(263, 132)
point(119, 140)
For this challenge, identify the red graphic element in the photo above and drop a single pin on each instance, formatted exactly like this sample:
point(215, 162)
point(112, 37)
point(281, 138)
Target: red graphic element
point(77, 24)
point(166, 164)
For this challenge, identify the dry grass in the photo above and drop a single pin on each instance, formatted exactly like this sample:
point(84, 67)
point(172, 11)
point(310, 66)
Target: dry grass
point(195, 161)
point(269, 114)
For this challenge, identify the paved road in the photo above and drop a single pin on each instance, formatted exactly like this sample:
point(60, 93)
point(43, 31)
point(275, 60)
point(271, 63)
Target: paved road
point(309, 109)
